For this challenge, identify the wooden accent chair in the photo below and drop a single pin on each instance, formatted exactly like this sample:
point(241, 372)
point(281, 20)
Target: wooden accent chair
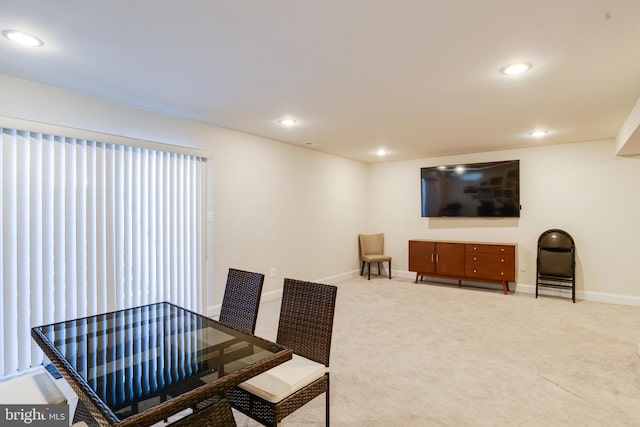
point(305, 326)
point(241, 300)
point(372, 250)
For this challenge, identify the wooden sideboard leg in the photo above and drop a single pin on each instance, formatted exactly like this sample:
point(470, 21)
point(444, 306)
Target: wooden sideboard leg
point(505, 287)
point(416, 277)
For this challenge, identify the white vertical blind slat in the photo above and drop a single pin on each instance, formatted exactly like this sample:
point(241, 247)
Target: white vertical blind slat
point(70, 253)
point(36, 252)
point(111, 232)
point(173, 283)
point(159, 227)
point(188, 208)
point(151, 223)
point(127, 218)
point(102, 241)
point(48, 226)
point(9, 241)
point(91, 232)
point(3, 343)
point(89, 227)
point(166, 230)
point(82, 244)
point(136, 224)
point(180, 230)
point(144, 224)
point(200, 245)
point(22, 245)
point(59, 235)
point(119, 221)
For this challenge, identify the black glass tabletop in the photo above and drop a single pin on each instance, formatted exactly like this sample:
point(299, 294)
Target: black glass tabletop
point(135, 359)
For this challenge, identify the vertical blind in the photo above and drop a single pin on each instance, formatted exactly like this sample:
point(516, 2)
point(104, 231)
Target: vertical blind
point(90, 227)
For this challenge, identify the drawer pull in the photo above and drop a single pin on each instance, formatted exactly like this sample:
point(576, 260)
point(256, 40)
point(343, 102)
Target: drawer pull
point(475, 259)
point(475, 271)
point(502, 260)
point(501, 249)
point(502, 274)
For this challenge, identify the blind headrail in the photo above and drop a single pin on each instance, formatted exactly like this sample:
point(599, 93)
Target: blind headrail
point(52, 129)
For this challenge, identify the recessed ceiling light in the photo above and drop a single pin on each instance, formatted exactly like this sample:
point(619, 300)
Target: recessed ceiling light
point(539, 133)
point(515, 68)
point(22, 38)
point(287, 122)
point(382, 152)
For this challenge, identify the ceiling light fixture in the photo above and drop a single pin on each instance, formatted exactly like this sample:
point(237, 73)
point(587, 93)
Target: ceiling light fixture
point(22, 38)
point(287, 122)
point(539, 133)
point(382, 152)
point(516, 68)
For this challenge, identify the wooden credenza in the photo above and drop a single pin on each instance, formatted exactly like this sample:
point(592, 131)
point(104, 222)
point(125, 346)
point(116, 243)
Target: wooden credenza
point(471, 261)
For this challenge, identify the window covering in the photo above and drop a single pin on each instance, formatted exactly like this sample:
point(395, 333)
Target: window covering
point(90, 227)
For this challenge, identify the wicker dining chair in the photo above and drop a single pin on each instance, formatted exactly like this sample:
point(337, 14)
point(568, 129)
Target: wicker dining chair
point(241, 300)
point(305, 326)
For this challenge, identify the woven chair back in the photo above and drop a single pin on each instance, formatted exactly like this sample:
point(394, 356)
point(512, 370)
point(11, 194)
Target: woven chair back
point(306, 319)
point(241, 300)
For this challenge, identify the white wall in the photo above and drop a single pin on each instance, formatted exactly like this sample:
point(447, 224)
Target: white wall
point(276, 205)
point(582, 188)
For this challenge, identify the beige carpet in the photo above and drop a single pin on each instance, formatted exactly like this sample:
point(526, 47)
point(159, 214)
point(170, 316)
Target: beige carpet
point(437, 355)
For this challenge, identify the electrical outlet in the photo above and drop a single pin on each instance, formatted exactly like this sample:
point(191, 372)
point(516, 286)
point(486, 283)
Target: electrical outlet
point(272, 272)
point(523, 266)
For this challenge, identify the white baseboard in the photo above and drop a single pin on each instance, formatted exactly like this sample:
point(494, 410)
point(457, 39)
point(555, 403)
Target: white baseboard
point(403, 274)
point(214, 310)
point(582, 295)
point(336, 278)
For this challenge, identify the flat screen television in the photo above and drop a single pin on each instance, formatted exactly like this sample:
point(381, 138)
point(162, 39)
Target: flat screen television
point(490, 189)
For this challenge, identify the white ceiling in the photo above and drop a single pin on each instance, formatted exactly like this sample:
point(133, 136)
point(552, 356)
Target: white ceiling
point(419, 78)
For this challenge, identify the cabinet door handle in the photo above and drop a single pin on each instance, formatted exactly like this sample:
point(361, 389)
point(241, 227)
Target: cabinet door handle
point(431, 257)
point(437, 257)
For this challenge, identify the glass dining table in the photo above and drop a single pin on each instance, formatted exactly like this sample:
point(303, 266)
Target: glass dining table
point(139, 366)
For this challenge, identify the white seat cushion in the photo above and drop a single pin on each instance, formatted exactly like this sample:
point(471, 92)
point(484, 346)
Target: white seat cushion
point(284, 379)
point(34, 388)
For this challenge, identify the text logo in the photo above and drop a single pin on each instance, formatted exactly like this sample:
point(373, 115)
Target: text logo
point(34, 415)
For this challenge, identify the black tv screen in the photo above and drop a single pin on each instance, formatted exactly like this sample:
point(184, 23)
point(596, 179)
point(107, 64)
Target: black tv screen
point(489, 189)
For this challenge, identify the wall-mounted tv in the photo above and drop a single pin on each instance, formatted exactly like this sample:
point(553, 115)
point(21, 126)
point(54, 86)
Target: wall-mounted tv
point(490, 189)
